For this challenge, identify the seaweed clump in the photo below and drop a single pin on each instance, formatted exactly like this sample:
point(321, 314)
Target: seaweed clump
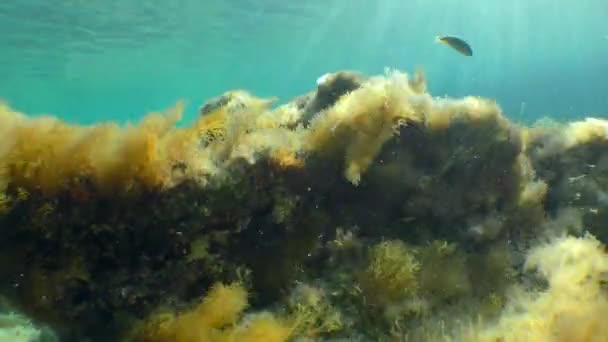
point(570, 308)
point(391, 273)
point(215, 319)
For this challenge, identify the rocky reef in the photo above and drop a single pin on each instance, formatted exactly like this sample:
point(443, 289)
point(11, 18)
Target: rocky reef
point(365, 210)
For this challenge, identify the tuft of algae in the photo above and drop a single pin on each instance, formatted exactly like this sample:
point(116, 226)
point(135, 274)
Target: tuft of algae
point(216, 318)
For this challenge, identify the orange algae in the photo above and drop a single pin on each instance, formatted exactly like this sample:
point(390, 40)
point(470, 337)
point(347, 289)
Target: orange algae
point(47, 155)
point(216, 319)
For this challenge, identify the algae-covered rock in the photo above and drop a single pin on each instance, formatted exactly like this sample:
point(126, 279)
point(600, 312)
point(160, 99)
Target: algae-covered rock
point(573, 160)
point(330, 87)
point(366, 196)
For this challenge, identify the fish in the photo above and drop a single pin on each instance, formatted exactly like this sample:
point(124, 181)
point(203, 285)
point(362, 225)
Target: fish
point(456, 43)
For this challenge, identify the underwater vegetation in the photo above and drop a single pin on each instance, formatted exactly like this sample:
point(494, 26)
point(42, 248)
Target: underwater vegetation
point(365, 210)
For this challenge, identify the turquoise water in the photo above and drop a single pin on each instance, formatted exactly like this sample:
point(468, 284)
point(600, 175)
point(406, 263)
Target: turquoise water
point(92, 60)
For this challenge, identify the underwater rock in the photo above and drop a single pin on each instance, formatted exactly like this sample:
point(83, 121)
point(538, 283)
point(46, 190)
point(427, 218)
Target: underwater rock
point(104, 228)
point(573, 160)
point(444, 177)
point(330, 87)
point(215, 104)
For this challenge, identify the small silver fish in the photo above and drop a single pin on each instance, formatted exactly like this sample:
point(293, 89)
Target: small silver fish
point(456, 44)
